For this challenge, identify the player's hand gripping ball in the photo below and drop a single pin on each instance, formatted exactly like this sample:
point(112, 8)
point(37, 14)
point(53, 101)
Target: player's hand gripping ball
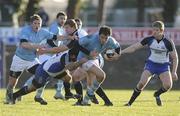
point(110, 53)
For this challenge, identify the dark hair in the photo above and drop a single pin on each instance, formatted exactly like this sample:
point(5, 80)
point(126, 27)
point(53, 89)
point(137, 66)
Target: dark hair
point(71, 23)
point(61, 14)
point(35, 17)
point(105, 30)
point(78, 20)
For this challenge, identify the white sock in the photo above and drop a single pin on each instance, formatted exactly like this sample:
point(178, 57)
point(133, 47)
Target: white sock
point(59, 86)
point(29, 81)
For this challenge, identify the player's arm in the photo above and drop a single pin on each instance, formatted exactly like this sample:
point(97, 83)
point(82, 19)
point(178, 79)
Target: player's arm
point(51, 43)
point(84, 50)
point(132, 48)
point(74, 65)
point(53, 50)
point(63, 37)
point(28, 45)
point(62, 48)
point(116, 55)
point(175, 61)
point(70, 67)
point(136, 46)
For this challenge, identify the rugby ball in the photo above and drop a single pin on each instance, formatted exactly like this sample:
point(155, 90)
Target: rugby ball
point(109, 53)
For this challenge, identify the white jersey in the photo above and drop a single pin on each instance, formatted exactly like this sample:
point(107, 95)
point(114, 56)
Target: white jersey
point(55, 65)
point(159, 50)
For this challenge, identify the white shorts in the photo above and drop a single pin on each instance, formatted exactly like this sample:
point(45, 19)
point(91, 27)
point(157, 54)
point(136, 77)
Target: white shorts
point(19, 64)
point(44, 57)
point(86, 66)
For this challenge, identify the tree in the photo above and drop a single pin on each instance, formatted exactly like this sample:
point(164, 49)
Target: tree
point(73, 8)
point(11, 10)
point(170, 8)
point(32, 7)
point(100, 12)
point(8, 8)
point(140, 13)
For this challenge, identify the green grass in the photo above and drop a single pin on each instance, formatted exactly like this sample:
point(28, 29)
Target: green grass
point(144, 106)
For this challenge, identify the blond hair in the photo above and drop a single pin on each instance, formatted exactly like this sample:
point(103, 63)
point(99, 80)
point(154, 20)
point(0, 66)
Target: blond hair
point(35, 17)
point(158, 24)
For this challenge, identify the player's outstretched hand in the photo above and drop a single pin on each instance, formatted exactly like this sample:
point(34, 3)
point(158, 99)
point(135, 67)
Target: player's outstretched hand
point(115, 56)
point(94, 53)
point(174, 76)
point(74, 65)
point(41, 51)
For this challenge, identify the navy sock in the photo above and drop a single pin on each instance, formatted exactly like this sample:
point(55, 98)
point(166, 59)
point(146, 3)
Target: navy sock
point(67, 87)
point(135, 94)
point(79, 90)
point(159, 92)
point(21, 92)
point(103, 95)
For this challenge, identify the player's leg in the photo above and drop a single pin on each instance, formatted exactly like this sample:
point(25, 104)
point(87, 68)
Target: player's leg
point(94, 80)
point(166, 85)
point(92, 67)
point(37, 82)
point(39, 93)
point(78, 75)
point(67, 86)
point(98, 72)
point(59, 86)
point(145, 77)
point(17, 67)
point(100, 92)
point(23, 91)
point(13, 78)
point(90, 90)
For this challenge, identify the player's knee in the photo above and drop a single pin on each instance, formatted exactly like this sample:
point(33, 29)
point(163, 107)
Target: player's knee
point(14, 74)
point(101, 77)
point(76, 76)
point(36, 85)
point(67, 78)
point(32, 70)
point(167, 86)
point(140, 86)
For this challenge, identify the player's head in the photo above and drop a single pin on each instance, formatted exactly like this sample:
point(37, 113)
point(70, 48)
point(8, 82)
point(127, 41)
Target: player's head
point(79, 23)
point(158, 28)
point(61, 18)
point(104, 33)
point(70, 26)
point(36, 22)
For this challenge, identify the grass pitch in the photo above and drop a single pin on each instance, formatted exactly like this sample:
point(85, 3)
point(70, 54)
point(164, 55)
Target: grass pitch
point(144, 106)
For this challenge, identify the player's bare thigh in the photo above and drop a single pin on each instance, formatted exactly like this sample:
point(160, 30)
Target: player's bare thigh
point(90, 79)
point(145, 77)
point(68, 77)
point(98, 72)
point(79, 74)
point(166, 80)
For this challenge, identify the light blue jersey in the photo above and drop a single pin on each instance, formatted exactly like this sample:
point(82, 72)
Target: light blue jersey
point(33, 37)
point(92, 42)
point(57, 29)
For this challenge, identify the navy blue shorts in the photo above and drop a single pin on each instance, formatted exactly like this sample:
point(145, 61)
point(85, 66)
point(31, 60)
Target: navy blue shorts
point(156, 68)
point(41, 77)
